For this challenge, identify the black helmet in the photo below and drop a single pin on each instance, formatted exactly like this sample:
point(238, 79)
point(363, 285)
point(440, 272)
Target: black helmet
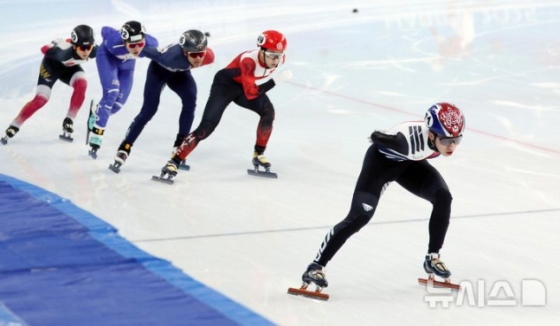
point(82, 35)
point(193, 41)
point(132, 31)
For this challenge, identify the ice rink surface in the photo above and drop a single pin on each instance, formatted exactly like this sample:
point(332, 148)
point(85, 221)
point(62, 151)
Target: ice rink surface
point(251, 238)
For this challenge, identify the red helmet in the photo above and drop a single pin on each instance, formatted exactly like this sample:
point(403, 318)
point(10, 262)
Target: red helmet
point(272, 40)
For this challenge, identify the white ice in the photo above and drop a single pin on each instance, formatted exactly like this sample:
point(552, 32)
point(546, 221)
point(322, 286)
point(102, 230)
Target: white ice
point(251, 238)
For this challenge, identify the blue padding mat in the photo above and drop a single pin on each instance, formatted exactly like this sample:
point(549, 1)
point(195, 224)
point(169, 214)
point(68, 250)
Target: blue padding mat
point(60, 265)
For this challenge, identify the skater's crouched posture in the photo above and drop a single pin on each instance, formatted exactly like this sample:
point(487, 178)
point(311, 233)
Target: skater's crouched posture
point(62, 61)
point(245, 82)
point(171, 67)
point(401, 155)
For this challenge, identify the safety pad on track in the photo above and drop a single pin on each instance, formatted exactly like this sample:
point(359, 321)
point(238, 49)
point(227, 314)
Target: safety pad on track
point(60, 265)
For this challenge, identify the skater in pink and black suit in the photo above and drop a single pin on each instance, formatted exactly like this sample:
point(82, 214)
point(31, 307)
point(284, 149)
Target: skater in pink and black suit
point(62, 61)
point(401, 154)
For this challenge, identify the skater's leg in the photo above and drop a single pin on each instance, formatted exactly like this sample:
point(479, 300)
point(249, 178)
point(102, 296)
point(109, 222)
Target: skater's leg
point(423, 180)
point(126, 80)
point(156, 78)
point(264, 108)
point(377, 172)
point(49, 73)
point(361, 211)
point(221, 95)
point(185, 87)
point(108, 72)
point(75, 77)
point(41, 98)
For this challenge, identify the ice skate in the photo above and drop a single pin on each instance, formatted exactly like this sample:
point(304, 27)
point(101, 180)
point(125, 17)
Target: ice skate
point(95, 141)
point(259, 160)
point(435, 267)
point(314, 274)
point(183, 164)
point(120, 158)
point(10, 132)
point(67, 130)
point(167, 173)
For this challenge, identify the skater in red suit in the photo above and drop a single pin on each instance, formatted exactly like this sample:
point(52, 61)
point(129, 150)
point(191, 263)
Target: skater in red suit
point(401, 155)
point(245, 82)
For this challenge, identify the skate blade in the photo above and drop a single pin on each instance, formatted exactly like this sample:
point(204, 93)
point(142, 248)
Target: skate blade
point(115, 168)
point(264, 174)
point(165, 180)
point(3, 141)
point(438, 284)
point(66, 138)
point(309, 294)
point(87, 122)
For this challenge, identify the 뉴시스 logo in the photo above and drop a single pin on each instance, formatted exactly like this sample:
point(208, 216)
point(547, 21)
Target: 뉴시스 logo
point(532, 293)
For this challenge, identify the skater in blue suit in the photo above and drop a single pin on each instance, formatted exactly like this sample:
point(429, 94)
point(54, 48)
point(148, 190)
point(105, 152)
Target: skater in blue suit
point(116, 59)
point(171, 67)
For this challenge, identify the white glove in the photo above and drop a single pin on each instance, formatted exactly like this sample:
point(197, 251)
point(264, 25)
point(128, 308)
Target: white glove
point(282, 76)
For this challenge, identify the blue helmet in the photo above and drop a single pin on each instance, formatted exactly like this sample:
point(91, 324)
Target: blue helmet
point(445, 119)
